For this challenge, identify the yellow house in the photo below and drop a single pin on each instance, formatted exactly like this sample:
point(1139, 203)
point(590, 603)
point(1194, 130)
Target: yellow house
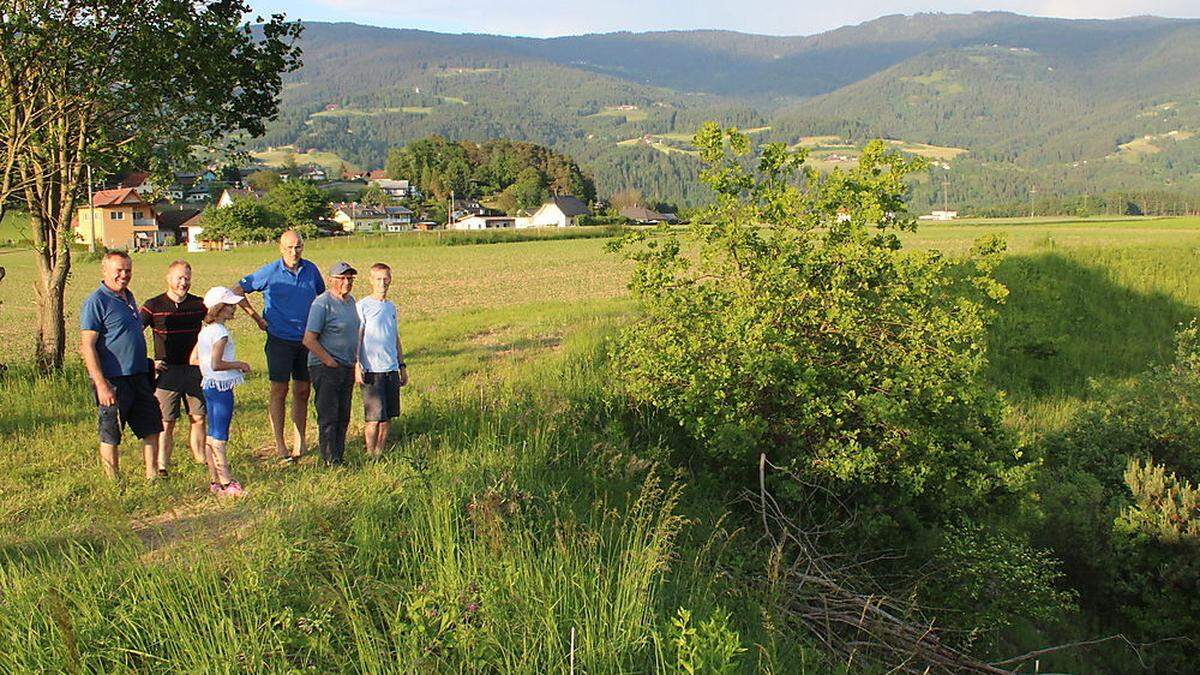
point(118, 219)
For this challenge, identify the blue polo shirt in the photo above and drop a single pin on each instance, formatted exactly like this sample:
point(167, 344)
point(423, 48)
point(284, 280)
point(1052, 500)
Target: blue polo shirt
point(122, 346)
point(287, 295)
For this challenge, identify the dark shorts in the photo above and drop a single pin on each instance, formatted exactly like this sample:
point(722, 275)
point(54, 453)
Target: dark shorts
point(135, 407)
point(381, 396)
point(179, 385)
point(286, 360)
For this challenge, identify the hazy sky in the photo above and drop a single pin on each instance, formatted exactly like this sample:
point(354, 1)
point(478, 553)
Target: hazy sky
point(544, 18)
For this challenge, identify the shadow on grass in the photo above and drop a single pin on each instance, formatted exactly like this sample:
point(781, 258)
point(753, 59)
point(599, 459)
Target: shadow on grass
point(1066, 322)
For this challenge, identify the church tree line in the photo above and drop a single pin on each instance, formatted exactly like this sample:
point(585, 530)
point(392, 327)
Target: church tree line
point(522, 175)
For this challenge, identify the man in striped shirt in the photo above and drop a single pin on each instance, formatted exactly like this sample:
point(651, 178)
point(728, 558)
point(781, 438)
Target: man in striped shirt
point(175, 318)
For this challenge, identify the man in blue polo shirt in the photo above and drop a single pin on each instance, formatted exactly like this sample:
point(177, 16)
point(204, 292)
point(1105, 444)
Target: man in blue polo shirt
point(289, 286)
point(114, 352)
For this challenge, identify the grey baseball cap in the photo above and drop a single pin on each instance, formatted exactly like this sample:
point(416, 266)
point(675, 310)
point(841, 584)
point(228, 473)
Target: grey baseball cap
point(342, 269)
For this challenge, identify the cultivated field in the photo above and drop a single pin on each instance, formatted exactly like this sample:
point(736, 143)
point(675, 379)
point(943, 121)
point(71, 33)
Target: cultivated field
point(510, 526)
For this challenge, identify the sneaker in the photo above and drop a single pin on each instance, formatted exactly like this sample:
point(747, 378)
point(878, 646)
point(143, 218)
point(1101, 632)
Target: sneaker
point(233, 489)
point(214, 488)
point(162, 473)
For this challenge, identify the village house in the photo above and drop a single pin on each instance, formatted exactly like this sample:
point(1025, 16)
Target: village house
point(178, 222)
point(644, 216)
point(361, 218)
point(313, 173)
point(230, 195)
point(398, 189)
point(118, 218)
point(473, 222)
point(558, 212)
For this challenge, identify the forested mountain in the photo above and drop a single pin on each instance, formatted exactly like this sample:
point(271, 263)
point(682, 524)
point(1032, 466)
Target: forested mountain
point(1003, 103)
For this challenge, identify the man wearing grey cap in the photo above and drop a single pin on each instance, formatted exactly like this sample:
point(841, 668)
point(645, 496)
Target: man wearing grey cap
point(331, 337)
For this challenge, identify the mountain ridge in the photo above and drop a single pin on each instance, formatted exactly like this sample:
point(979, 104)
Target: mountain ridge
point(1025, 94)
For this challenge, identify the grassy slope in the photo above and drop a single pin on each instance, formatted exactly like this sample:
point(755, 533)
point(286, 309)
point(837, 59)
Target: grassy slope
point(568, 530)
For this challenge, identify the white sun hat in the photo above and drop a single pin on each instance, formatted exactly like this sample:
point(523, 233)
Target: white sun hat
point(220, 295)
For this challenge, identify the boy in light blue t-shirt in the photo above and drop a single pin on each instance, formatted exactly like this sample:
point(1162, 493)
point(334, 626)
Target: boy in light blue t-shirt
point(380, 369)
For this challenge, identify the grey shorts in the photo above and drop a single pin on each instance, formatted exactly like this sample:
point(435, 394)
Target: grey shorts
point(179, 385)
point(381, 396)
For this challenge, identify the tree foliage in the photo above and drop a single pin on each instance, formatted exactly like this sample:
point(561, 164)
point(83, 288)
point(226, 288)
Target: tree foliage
point(105, 83)
point(246, 220)
point(789, 322)
point(438, 167)
point(298, 202)
point(1118, 498)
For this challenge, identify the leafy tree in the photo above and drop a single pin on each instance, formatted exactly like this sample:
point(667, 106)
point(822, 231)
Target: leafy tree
point(263, 180)
point(246, 220)
point(527, 192)
point(374, 196)
point(105, 83)
point(298, 202)
point(791, 323)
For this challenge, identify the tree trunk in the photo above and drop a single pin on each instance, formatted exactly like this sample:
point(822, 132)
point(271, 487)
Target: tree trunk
point(51, 335)
point(54, 266)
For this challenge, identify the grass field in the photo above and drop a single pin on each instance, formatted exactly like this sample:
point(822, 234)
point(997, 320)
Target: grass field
point(14, 229)
point(511, 519)
point(329, 160)
point(634, 115)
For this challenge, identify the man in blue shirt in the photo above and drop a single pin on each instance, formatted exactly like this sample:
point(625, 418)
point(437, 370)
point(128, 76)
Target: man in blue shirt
point(289, 286)
point(114, 352)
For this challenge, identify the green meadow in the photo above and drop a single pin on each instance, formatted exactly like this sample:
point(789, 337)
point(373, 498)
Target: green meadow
point(516, 523)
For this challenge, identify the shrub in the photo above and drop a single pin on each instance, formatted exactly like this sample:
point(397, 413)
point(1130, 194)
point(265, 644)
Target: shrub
point(1119, 502)
point(788, 321)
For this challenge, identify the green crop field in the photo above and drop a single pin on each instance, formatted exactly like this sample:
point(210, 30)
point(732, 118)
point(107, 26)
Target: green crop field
point(512, 526)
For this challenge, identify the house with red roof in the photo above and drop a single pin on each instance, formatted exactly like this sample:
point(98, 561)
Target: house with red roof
point(119, 218)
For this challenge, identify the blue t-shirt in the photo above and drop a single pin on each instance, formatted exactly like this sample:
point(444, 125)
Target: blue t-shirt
point(377, 353)
point(287, 296)
point(122, 346)
point(336, 324)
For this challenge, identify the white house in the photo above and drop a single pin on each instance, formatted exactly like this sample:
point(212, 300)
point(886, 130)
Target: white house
point(559, 212)
point(483, 223)
point(400, 189)
point(940, 215)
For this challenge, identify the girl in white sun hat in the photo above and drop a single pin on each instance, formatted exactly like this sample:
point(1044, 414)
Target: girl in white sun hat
point(220, 373)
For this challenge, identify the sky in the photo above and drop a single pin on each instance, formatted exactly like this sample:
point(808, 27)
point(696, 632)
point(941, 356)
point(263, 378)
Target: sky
point(547, 18)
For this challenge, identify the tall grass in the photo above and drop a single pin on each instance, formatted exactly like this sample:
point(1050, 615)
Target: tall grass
point(499, 535)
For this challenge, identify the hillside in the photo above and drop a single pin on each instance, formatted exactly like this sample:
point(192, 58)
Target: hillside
point(1032, 101)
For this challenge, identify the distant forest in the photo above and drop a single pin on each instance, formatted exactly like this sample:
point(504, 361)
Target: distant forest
point(1011, 109)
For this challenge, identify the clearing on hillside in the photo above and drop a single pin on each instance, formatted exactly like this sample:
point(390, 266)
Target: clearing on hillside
point(276, 156)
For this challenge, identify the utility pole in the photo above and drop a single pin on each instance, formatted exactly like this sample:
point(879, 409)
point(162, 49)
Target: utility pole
point(946, 192)
point(450, 210)
point(1032, 193)
point(91, 212)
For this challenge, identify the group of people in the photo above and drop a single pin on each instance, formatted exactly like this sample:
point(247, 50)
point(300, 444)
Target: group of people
point(318, 338)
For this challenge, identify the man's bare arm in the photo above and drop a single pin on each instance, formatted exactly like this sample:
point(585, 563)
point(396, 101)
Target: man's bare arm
point(247, 307)
point(91, 359)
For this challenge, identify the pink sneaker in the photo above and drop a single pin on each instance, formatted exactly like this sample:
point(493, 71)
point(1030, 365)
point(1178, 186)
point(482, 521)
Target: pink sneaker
point(233, 489)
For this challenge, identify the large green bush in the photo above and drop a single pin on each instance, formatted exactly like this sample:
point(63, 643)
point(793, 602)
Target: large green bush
point(1120, 503)
point(788, 321)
